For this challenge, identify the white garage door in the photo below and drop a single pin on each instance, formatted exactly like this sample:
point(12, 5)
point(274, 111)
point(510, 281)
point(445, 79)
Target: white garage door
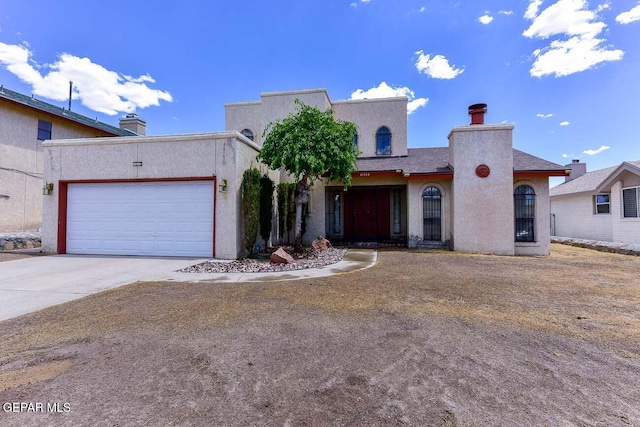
point(143, 218)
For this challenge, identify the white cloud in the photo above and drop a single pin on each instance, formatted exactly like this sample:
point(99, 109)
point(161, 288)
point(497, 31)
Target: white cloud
point(422, 9)
point(566, 156)
point(505, 12)
point(630, 16)
point(485, 19)
point(385, 91)
point(580, 51)
point(96, 87)
point(597, 151)
point(544, 116)
point(436, 67)
point(532, 9)
point(354, 4)
point(565, 123)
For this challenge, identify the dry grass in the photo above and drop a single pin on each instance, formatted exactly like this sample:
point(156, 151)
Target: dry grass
point(401, 325)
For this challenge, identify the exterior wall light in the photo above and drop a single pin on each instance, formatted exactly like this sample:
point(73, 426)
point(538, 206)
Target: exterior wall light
point(47, 189)
point(137, 164)
point(223, 185)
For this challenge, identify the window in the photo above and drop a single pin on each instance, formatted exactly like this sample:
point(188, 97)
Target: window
point(432, 214)
point(602, 203)
point(44, 130)
point(630, 202)
point(525, 213)
point(248, 133)
point(383, 141)
point(355, 140)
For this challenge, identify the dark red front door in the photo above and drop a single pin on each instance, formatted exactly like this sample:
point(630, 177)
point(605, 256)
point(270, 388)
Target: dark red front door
point(367, 214)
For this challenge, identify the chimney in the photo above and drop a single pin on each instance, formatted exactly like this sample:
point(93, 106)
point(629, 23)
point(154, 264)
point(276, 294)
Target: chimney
point(577, 170)
point(477, 112)
point(134, 123)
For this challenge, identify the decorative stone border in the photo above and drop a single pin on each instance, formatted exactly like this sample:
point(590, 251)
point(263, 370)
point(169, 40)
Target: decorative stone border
point(14, 241)
point(613, 247)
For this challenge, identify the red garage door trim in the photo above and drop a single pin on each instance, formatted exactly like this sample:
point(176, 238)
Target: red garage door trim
point(63, 200)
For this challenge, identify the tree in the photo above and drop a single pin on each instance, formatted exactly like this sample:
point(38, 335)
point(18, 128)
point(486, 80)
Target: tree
point(266, 207)
point(309, 144)
point(250, 207)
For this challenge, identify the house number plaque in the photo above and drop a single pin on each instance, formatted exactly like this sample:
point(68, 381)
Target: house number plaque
point(483, 171)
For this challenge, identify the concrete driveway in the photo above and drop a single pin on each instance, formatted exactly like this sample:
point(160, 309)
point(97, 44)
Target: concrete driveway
point(30, 284)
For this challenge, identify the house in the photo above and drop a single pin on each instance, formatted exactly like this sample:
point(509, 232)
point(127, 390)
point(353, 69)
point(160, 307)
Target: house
point(598, 205)
point(180, 194)
point(25, 122)
point(478, 194)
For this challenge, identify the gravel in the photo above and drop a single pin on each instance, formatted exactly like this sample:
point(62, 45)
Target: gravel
point(308, 259)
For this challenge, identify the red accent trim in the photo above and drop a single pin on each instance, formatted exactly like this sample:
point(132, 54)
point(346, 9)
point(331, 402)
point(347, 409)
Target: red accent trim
point(431, 175)
point(365, 174)
point(63, 200)
point(215, 198)
point(62, 217)
point(524, 174)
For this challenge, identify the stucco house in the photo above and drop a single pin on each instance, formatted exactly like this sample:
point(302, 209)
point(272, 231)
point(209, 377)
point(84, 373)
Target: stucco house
point(180, 194)
point(25, 122)
point(598, 205)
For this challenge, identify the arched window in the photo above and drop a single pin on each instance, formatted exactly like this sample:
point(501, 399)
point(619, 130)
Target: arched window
point(525, 213)
point(355, 140)
point(432, 213)
point(248, 133)
point(383, 141)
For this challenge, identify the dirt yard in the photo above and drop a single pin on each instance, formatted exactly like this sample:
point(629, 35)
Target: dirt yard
point(420, 339)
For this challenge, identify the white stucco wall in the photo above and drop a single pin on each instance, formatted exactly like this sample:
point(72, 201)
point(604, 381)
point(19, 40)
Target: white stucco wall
point(415, 224)
point(574, 217)
point(542, 244)
point(371, 114)
point(224, 155)
point(483, 211)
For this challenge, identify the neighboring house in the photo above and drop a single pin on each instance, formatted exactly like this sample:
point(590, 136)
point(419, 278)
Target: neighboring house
point(180, 194)
point(25, 123)
point(598, 205)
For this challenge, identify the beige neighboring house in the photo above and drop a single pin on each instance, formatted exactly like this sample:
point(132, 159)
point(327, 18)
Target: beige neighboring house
point(25, 122)
point(179, 195)
point(602, 205)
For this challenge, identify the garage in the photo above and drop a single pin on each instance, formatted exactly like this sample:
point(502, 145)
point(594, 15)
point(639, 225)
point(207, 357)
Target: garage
point(156, 218)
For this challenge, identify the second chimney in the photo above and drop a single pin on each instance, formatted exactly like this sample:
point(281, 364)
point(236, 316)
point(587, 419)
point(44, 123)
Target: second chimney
point(477, 112)
point(134, 123)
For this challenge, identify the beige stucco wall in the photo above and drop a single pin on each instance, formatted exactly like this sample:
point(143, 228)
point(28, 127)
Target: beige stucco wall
point(415, 189)
point(542, 244)
point(224, 155)
point(483, 209)
point(244, 115)
point(369, 115)
point(21, 163)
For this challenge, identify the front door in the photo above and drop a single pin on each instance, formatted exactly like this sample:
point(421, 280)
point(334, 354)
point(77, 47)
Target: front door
point(367, 214)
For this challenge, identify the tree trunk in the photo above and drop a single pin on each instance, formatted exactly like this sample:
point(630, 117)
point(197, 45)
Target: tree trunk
point(302, 197)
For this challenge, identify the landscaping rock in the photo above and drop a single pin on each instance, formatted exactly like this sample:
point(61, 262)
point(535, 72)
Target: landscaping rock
point(321, 244)
point(281, 257)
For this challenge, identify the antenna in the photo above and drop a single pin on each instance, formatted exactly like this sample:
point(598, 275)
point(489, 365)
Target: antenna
point(70, 92)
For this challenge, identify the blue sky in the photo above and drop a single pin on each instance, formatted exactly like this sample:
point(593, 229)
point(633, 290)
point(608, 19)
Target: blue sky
point(565, 72)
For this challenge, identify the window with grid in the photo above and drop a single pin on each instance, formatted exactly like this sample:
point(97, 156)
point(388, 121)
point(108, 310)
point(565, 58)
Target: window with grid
point(602, 203)
point(630, 202)
point(383, 141)
point(525, 213)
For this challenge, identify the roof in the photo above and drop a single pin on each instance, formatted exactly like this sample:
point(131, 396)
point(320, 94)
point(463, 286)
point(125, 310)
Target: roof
point(436, 161)
point(592, 182)
point(45, 107)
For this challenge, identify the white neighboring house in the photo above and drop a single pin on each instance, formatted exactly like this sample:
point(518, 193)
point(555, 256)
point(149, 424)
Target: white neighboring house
point(600, 205)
